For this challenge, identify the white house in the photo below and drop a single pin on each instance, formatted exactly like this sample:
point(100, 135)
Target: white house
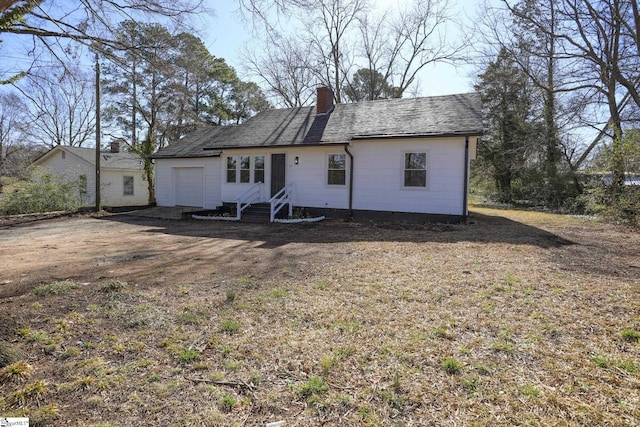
point(396, 158)
point(121, 174)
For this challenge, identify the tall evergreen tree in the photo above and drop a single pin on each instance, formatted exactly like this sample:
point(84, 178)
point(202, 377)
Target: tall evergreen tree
point(507, 105)
point(368, 85)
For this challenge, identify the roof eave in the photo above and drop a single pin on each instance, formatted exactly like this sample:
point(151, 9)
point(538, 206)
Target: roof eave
point(419, 135)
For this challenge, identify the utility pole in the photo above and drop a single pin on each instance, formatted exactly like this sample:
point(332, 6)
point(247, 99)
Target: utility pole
point(98, 205)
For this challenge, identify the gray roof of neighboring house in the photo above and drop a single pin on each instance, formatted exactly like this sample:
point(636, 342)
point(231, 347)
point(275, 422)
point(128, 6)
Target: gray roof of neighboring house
point(108, 160)
point(393, 118)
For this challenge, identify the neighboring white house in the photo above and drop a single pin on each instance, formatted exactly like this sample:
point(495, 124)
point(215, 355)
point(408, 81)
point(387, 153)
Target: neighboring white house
point(121, 174)
point(376, 158)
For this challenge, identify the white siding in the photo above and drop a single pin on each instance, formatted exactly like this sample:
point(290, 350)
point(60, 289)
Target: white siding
point(111, 180)
point(165, 185)
point(379, 176)
point(71, 168)
point(308, 177)
point(112, 188)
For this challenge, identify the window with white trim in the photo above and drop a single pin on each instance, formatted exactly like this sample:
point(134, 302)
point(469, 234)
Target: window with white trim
point(245, 168)
point(415, 169)
point(127, 184)
point(232, 165)
point(337, 169)
point(258, 169)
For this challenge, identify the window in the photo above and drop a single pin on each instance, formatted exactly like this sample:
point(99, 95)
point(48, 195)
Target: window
point(231, 168)
point(64, 155)
point(415, 169)
point(245, 169)
point(337, 169)
point(258, 169)
point(128, 185)
point(82, 184)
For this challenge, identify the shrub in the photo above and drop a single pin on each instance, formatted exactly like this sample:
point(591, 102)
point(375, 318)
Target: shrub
point(43, 192)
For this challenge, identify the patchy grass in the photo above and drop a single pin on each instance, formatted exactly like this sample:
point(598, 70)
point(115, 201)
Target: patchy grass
point(55, 288)
point(526, 320)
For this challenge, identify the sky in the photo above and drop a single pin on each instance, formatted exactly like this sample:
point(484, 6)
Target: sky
point(225, 34)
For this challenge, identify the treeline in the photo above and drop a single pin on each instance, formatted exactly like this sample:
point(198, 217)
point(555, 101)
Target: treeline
point(156, 87)
point(160, 86)
point(561, 105)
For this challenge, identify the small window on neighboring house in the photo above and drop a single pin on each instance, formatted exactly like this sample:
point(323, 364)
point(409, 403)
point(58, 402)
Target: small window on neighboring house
point(415, 169)
point(128, 185)
point(258, 169)
point(337, 169)
point(64, 154)
point(82, 184)
point(231, 168)
point(245, 169)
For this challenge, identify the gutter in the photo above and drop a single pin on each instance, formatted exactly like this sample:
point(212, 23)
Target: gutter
point(465, 195)
point(346, 149)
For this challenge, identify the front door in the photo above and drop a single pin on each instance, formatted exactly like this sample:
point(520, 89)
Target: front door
point(278, 172)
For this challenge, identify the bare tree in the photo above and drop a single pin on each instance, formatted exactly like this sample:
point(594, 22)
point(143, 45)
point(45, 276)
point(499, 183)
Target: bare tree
point(12, 124)
point(418, 38)
point(345, 36)
point(89, 22)
point(335, 18)
point(602, 36)
point(59, 107)
point(284, 68)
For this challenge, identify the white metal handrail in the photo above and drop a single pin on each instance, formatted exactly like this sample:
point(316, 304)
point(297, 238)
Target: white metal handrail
point(244, 200)
point(281, 198)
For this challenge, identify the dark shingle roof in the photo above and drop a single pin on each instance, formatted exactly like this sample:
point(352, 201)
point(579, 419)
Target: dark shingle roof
point(430, 116)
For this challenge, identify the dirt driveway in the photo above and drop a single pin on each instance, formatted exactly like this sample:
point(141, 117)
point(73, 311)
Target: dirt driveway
point(153, 251)
point(146, 250)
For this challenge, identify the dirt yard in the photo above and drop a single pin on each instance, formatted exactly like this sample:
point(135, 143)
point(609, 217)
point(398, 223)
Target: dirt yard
point(516, 319)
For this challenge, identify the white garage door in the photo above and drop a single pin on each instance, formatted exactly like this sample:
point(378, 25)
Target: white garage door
point(188, 186)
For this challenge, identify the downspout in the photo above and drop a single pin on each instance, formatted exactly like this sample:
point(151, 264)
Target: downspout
point(465, 195)
point(346, 149)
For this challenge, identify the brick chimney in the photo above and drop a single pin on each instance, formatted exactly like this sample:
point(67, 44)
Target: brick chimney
point(325, 100)
point(115, 147)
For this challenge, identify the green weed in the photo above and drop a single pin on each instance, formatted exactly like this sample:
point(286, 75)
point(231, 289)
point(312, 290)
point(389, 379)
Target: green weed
point(530, 390)
point(9, 354)
point(55, 288)
point(31, 392)
point(630, 335)
point(15, 372)
point(188, 355)
point(313, 386)
point(451, 366)
point(114, 286)
point(226, 402)
point(229, 326)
